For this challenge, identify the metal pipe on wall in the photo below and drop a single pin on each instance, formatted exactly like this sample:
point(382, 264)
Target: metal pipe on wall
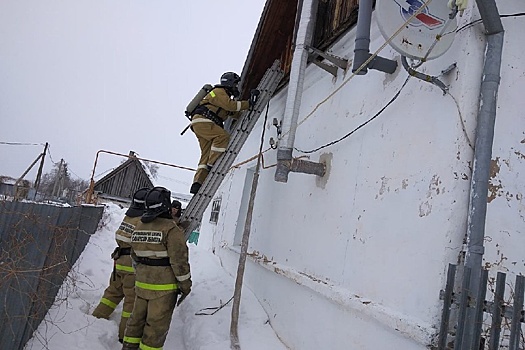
point(362, 43)
point(285, 161)
point(483, 155)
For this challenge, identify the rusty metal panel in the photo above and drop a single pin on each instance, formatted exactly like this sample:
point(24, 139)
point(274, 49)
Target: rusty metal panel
point(39, 244)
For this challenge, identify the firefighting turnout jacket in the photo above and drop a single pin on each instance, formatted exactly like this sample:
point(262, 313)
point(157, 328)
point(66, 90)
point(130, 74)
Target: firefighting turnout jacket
point(218, 102)
point(159, 239)
point(123, 238)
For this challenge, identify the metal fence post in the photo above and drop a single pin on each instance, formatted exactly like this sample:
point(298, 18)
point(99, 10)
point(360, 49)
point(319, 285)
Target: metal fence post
point(463, 306)
point(447, 304)
point(515, 326)
point(495, 328)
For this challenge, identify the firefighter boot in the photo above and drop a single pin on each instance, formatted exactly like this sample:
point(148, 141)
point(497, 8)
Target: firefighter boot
point(129, 346)
point(195, 188)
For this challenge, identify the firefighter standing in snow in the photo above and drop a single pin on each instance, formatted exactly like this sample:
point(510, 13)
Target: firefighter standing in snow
point(122, 281)
point(208, 124)
point(162, 272)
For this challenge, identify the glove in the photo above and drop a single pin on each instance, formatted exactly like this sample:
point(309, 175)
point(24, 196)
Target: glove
point(116, 253)
point(254, 96)
point(184, 289)
point(461, 4)
point(184, 224)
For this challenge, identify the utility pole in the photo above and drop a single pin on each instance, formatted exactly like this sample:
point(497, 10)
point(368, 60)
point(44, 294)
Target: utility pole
point(16, 194)
point(61, 184)
point(39, 173)
point(57, 178)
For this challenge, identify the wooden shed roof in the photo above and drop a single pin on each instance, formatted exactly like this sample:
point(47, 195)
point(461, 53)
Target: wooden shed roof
point(125, 187)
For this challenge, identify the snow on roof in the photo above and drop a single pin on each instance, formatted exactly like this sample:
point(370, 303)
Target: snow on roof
point(7, 180)
point(148, 172)
point(182, 197)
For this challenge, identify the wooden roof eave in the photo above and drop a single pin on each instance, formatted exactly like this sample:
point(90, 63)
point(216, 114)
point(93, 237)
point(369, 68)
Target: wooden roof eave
point(272, 39)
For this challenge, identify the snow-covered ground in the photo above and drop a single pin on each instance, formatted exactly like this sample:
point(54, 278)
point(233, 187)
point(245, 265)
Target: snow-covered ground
point(69, 324)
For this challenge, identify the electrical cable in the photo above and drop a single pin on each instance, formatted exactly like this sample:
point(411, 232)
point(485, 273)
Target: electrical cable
point(20, 143)
point(519, 14)
point(264, 130)
point(365, 64)
point(356, 72)
point(424, 77)
point(104, 172)
point(463, 126)
point(49, 154)
point(397, 94)
point(468, 25)
point(72, 172)
point(247, 160)
point(360, 126)
point(174, 180)
point(261, 152)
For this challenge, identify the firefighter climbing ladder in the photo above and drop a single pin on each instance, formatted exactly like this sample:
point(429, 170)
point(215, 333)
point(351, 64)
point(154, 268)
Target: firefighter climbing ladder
point(200, 201)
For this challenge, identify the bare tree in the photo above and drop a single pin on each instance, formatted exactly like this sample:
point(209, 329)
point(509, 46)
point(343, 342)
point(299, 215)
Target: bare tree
point(153, 168)
point(59, 184)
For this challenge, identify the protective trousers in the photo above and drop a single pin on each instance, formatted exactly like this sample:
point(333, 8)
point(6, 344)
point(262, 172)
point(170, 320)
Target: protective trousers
point(213, 141)
point(149, 323)
point(120, 287)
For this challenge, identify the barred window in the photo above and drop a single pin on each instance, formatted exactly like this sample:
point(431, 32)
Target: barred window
point(215, 210)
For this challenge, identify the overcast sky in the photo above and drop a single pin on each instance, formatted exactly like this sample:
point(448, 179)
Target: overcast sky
point(90, 75)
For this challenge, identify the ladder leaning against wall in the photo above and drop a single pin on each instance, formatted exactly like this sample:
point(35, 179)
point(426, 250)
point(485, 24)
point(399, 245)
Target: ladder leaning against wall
point(200, 201)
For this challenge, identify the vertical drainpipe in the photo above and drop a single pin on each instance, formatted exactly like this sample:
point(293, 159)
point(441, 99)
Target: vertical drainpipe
point(285, 162)
point(482, 157)
point(362, 43)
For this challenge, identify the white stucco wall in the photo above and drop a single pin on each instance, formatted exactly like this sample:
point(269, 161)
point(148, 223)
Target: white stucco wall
point(356, 260)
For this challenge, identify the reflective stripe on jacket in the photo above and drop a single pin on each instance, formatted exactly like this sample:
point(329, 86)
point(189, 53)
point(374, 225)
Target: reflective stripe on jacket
point(160, 238)
point(123, 238)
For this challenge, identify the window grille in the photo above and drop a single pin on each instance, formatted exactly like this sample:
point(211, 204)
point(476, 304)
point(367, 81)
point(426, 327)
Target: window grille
point(215, 210)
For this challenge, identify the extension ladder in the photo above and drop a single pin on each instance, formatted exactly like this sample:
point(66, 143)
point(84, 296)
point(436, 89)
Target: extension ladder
point(242, 128)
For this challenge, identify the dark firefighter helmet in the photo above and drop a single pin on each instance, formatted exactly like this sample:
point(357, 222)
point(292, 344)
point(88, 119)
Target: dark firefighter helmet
point(230, 79)
point(177, 205)
point(137, 203)
point(158, 204)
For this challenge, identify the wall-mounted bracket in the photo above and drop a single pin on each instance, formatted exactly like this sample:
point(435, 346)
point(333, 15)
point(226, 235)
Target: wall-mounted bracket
point(425, 77)
point(338, 61)
point(332, 69)
point(327, 67)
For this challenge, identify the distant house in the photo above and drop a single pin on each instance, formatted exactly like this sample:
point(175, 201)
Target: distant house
point(120, 184)
point(8, 188)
